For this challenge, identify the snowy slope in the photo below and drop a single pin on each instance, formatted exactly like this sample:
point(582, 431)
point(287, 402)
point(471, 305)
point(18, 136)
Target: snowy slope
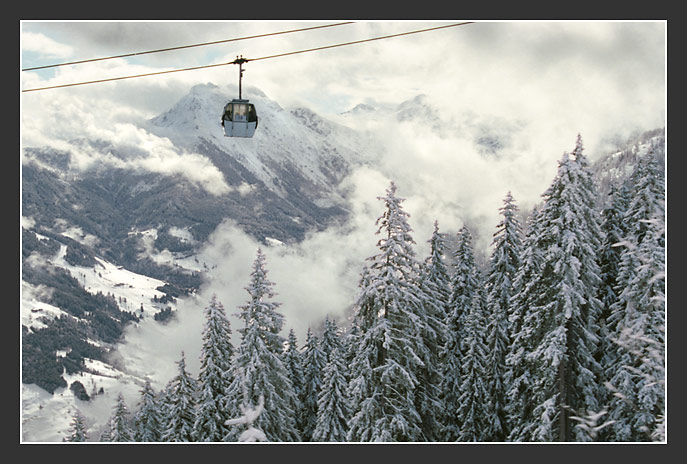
point(287, 143)
point(615, 167)
point(46, 417)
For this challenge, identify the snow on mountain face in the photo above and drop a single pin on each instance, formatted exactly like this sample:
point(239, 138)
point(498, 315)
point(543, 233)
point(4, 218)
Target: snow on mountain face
point(615, 167)
point(46, 417)
point(490, 135)
point(295, 148)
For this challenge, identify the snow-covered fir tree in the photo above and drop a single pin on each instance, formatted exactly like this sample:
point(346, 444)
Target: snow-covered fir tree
point(77, 429)
point(473, 402)
point(314, 362)
point(614, 228)
point(259, 361)
point(293, 362)
point(331, 337)
point(559, 328)
point(469, 301)
point(364, 346)
point(384, 371)
point(435, 283)
point(120, 430)
point(465, 285)
point(503, 265)
point(464, 294)
point(147, 420)
point(215, 376)
point(614, 231)
point(181, 399)
point(164, 406)
point(332, 403)
point(436, 277)
point(517, 375)
point(351, 339)
point(637, 321)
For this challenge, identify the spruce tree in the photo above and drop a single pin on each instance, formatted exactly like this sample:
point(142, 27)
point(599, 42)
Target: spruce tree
point(164, 406)
point(293, 362)
point(350, 343)
point(637, 321)
point(120, 430)
point(314, 362)
point(464, 295)
point(331, 338)
point(258, 362)
point(77, 429)
point(332, 403)
point(182, 406)
point(147, 420)
point(518, 377)
point(560, 326)
point(215, 375)
point(614, 232)
point(503, 265)
point(468, 301)
point(465, 286)
point(436, 278)
point(363, 387)
point(435, 283)
point(389, 308)
point(473, 401)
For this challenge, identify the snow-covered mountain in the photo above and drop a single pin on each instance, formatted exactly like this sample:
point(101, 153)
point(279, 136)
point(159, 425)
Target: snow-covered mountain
point(116, 244)
point(293, 152)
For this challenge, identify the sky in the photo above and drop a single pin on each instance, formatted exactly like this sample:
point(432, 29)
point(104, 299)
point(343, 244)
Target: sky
point(510, 67)
point(540, 82)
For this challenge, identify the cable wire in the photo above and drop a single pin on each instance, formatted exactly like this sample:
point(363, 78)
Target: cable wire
point(248, 59)
point(184, 46)
point(360, 41)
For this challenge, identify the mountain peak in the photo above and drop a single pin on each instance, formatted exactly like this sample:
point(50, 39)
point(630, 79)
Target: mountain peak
point(361, 108)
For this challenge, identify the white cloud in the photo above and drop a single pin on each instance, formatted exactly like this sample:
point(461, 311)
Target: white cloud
point(61, 122)
point(44, 46)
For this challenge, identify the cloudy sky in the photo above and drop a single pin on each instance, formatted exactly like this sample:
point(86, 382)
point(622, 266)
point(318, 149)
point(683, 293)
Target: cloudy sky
point(513, 68)
point(549, 80)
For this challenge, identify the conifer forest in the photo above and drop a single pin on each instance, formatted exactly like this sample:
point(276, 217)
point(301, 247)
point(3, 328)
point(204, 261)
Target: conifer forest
point(560, 337)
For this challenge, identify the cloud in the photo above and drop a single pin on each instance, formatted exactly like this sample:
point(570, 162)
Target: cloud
point(314, 278)
point(44, 46)
point(63, 123)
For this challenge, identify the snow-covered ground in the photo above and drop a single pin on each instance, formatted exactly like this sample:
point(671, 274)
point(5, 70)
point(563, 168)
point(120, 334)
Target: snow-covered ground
point(34, 311)
point(46, 417)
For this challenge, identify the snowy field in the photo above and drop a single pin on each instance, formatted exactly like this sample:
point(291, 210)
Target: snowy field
point(45, 417)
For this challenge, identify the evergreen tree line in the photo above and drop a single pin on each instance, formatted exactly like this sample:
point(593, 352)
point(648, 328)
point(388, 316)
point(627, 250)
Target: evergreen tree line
point(560, 338)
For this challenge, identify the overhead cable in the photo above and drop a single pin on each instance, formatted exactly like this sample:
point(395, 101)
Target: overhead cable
point(181, 47)
point(248, 59)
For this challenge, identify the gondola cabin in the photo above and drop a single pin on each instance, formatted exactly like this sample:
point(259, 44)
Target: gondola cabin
point(239, 119)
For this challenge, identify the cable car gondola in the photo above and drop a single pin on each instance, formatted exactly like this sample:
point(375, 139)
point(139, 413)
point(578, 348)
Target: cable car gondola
point(239, 118)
